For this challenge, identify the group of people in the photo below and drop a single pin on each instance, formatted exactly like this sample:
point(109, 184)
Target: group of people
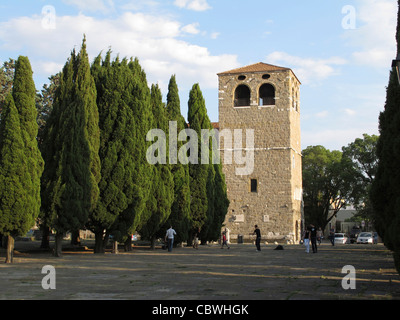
point(313, 235)
point(169, 239)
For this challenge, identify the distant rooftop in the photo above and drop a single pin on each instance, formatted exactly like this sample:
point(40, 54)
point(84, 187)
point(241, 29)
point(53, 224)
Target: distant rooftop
point(257, 67)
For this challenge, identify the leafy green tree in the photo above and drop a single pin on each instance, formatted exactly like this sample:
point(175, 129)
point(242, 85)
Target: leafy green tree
point(162, 188)
point(362, 154)
point(385, 191)
point(26, 172)
point(6, 80)
point(329, 183)
point(44, 103)
point(71, 150)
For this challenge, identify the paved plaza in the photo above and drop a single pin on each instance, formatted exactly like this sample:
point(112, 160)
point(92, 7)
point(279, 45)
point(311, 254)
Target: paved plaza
point(209, 273)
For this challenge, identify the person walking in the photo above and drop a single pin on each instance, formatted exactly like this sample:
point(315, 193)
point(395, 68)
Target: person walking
point(319, 235)
point(224, 240)
point(306, 239)
point(332, 235)
point(313, 234)
point(257, 232)
point(196, 242)
point(169, 236)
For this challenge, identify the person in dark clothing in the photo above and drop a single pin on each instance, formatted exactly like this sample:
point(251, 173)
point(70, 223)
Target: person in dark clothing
point(313, 232)
point(332, 235)
point(257, 232)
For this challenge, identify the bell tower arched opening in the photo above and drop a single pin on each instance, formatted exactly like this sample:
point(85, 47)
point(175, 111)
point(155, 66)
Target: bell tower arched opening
point(242, 96)
point(267, 95)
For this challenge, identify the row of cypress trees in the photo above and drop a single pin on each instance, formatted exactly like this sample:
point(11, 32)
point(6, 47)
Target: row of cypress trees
point(385, 191)
point(93, 158)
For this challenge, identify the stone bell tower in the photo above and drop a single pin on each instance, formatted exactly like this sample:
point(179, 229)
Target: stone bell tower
point(264, 98)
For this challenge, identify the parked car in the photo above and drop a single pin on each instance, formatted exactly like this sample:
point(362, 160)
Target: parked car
point(341, 238)
point(367, 237)
point(354, 232)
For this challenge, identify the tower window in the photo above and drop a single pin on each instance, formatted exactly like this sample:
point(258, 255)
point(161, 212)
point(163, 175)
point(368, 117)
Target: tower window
point(242, 96)
point(253, 185)
point(267, 95)
point(241, 77)
point(266, 76)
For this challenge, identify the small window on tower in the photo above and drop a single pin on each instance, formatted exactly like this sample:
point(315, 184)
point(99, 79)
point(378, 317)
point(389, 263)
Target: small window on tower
point(253, 185)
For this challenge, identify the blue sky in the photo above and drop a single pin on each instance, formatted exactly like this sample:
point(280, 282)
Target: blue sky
point(340, 50)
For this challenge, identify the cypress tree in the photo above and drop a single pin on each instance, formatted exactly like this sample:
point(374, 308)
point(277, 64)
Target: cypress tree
point(71, 147)
point(199, 173)
point(23, 99)
point(138, 100)
point(209, 203)
point(24, 93)
point(161, 196)
point(180, 217)
point(220, 206)
point(14, 218)
point(114, 84)
point(385, 191)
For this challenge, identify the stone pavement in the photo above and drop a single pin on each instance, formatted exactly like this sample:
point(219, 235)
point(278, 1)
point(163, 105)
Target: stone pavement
point(209, 273)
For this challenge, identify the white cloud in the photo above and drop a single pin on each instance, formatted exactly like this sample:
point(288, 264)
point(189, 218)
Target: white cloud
point(215, 35)
point(374, 35)
point(92, 5)
point(191, 28)
point(308, 70)
point(196, 5)
point(349, 112)
point(155, 40)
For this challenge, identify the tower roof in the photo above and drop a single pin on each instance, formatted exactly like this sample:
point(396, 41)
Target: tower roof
point(257, 67)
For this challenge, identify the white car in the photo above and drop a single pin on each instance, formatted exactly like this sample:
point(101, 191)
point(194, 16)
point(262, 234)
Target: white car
point(366, 237)
point(341, 238)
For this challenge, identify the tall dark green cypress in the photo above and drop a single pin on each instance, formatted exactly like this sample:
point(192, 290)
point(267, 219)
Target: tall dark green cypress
point(220, 206)
point(14, 219)
point(71, 150)
point(24, 93)
point(23, 99)
point(114, 84)
point(162, 184)
point(199, 173)
point(138, 100)
point(209, 203)
point(180, 217)
point(385, 191)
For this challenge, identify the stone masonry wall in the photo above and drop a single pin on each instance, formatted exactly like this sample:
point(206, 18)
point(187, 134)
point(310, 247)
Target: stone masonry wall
point(276, 206)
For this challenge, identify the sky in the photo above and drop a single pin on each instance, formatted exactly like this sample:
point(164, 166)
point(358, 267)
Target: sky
point(341, 51)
